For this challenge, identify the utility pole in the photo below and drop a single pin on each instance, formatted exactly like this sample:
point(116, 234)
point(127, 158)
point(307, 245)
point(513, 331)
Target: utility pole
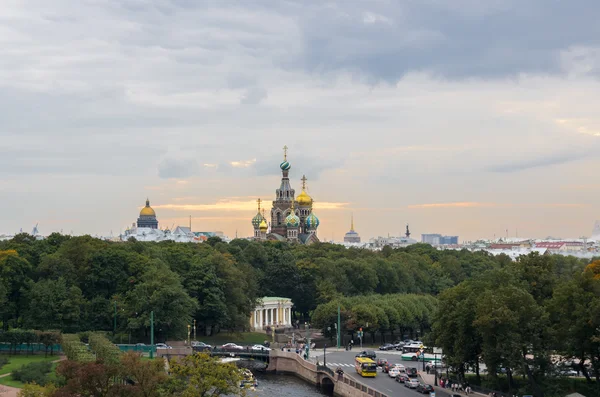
point(152, 334)
point(307, 341)
point(195, 330)
point(115, 320)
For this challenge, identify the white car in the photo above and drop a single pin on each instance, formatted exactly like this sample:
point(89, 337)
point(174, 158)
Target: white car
point(393, 372)
point(260, 348)
point(412, 383)
point(162, 346)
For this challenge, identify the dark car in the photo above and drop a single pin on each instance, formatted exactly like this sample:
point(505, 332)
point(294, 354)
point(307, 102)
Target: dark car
point(424, 388)
point(401, 378)
point(382, 362)
point(367, 353)
point(200, 346)
point(387, 346)
point(411, 372)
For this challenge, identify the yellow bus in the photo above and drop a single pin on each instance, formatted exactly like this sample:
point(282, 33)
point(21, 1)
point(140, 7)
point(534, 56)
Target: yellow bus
point(365, 367)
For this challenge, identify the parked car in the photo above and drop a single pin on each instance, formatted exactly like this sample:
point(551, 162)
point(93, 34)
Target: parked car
point(232, 347)
point(393, 372)
point(424, 388)
point(367, 353)
point(411, 372)
point(260, 348)
point(386, 368)
point(162, 346)
point(382, 362)
point(411, 383)
point(402, 378)
point(387, 346)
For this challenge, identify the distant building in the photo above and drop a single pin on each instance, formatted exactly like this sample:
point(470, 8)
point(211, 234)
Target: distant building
point(438, 239)
point(147, 217)
point(352, 236)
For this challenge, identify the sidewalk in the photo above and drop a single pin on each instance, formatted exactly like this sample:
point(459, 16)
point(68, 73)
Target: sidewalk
point(430, 380)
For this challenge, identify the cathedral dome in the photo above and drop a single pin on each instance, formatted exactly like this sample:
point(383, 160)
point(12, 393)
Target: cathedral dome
point(147, 210)
point(258, 218)
point(292, 220)
point(312, 222)
point(304, 199)
point(263, 226)
point(285, 165)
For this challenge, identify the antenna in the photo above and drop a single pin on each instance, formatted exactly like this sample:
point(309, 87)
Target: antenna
point(190, 223)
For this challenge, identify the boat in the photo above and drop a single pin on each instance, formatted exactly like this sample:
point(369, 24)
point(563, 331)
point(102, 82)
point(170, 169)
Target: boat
point(248, 381)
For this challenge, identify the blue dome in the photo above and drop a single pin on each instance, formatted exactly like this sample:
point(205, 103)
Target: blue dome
point(312, 222)
point(258, 218)
point(285, 166)
point(292, 220)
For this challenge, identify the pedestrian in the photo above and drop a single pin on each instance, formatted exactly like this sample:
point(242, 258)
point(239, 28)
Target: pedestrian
point(442, 383)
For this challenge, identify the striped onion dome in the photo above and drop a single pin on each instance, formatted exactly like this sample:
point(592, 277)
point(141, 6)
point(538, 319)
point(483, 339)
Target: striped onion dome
point(258, 218)
point(312, 222)
point(285, 166)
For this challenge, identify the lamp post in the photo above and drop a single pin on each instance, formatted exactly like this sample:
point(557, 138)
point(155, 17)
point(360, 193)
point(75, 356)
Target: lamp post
point(189, 332)
point(306, 325)
point(423, 355)
point(194, 329)
point(325, 355)
point(338, 327)
point(435, 382)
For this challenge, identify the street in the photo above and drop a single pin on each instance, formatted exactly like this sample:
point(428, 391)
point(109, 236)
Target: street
point(382, 383)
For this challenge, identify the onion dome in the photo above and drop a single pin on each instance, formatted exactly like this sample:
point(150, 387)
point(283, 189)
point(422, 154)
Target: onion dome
point(292, 220)
point(263, 226)
point(147, 210)
point(285, 166)
point(258, 218)
point(304, 199)
point(312, 222)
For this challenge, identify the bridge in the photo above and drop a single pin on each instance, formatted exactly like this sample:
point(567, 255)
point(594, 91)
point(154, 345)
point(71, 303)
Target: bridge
point(243, 354)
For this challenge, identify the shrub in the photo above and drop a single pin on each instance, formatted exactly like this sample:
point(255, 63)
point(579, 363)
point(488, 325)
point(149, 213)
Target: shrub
point(3, 361)
point(33, 373)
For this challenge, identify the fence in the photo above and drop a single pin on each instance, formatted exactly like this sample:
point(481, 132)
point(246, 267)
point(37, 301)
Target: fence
point(32, 348)
point(136, 348)
point(357, 385)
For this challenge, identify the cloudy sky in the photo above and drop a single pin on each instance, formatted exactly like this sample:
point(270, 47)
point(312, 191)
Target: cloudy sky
point(462, 117)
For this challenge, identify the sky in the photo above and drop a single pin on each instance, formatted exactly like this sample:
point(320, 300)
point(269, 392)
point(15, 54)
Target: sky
point(466, 117)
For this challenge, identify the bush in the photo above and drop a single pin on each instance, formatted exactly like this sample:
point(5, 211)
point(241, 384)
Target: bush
point(33, 373)
point(3, 361)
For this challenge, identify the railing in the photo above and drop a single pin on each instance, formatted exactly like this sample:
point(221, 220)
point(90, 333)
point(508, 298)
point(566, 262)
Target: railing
point(32, 348)
point(357, 385)
point(326, 369)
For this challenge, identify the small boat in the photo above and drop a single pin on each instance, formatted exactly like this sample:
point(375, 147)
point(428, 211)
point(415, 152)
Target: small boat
point(249, 381)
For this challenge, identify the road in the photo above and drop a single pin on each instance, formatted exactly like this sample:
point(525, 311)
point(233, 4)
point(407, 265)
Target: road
point(382, 383)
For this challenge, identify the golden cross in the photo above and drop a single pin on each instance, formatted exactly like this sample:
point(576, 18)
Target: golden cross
point(285, 149)
point(303, 182)
point(259, 201)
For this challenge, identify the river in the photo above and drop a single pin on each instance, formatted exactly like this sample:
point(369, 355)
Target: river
point(270, 385)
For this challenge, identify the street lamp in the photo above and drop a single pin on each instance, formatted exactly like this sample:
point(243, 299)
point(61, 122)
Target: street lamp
point(337, 335)
point(306, 325)
point(195, 330)
point(189, 327)
point(435, 382)
point(325, 355)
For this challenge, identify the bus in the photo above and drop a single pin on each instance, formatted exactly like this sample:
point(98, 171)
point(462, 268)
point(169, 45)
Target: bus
point(415, 352)
point(365, 367)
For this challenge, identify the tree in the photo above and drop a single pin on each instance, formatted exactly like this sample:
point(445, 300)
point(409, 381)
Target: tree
point(33, 390)
point(160, 290)
point(201, 375)
point(148, 376)
point(88, 379)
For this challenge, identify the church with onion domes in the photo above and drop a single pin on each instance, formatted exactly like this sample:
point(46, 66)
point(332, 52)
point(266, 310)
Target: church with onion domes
point(292, 218)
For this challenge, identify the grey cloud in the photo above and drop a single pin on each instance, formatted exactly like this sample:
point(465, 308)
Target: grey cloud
point(537, 162)
point(177, 168)
point(253, 96)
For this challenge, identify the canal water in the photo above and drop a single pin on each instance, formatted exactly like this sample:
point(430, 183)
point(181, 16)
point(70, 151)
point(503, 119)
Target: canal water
point(270, 385)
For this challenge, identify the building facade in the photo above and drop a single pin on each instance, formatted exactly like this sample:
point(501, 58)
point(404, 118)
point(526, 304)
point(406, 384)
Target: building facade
point(292, 218)
point(438, 239)
point(272, 312)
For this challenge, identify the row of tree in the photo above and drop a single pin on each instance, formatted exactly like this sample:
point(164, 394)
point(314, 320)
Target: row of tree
point(523, 319)
point(75, 284)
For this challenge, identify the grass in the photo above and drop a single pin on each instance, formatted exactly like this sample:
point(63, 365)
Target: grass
point(242, 338)
point(18, 361)
point(9, 381)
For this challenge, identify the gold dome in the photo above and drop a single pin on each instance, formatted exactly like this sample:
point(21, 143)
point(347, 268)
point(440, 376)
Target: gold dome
point(304, 199)
point(147, 210)
point(263, 225)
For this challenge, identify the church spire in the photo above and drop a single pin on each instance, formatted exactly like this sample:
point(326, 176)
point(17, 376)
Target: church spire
point(285, 149)
point(352, 222)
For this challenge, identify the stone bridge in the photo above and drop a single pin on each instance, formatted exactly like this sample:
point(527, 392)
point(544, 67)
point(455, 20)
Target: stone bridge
point(322, 376)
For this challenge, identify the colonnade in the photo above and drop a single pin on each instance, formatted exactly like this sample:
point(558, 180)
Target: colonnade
point(274, 312)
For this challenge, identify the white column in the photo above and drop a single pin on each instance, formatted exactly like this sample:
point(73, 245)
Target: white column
point(255, 319)
point(290, 315)
point(270, 316)
point(258, 319)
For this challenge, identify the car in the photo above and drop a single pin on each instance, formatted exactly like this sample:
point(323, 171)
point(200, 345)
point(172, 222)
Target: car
point(402, 378)
point(411, 372)
point(387, 346)
point(200, 346)
point(140, 344)
point(367, 353)
point(382, 362)
point(162, 346)
point(429, 367)
point(411, 383)
point(231, 347)
point(424, 388)
point(388, 366)
point(393, 372)
point(260, 348)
